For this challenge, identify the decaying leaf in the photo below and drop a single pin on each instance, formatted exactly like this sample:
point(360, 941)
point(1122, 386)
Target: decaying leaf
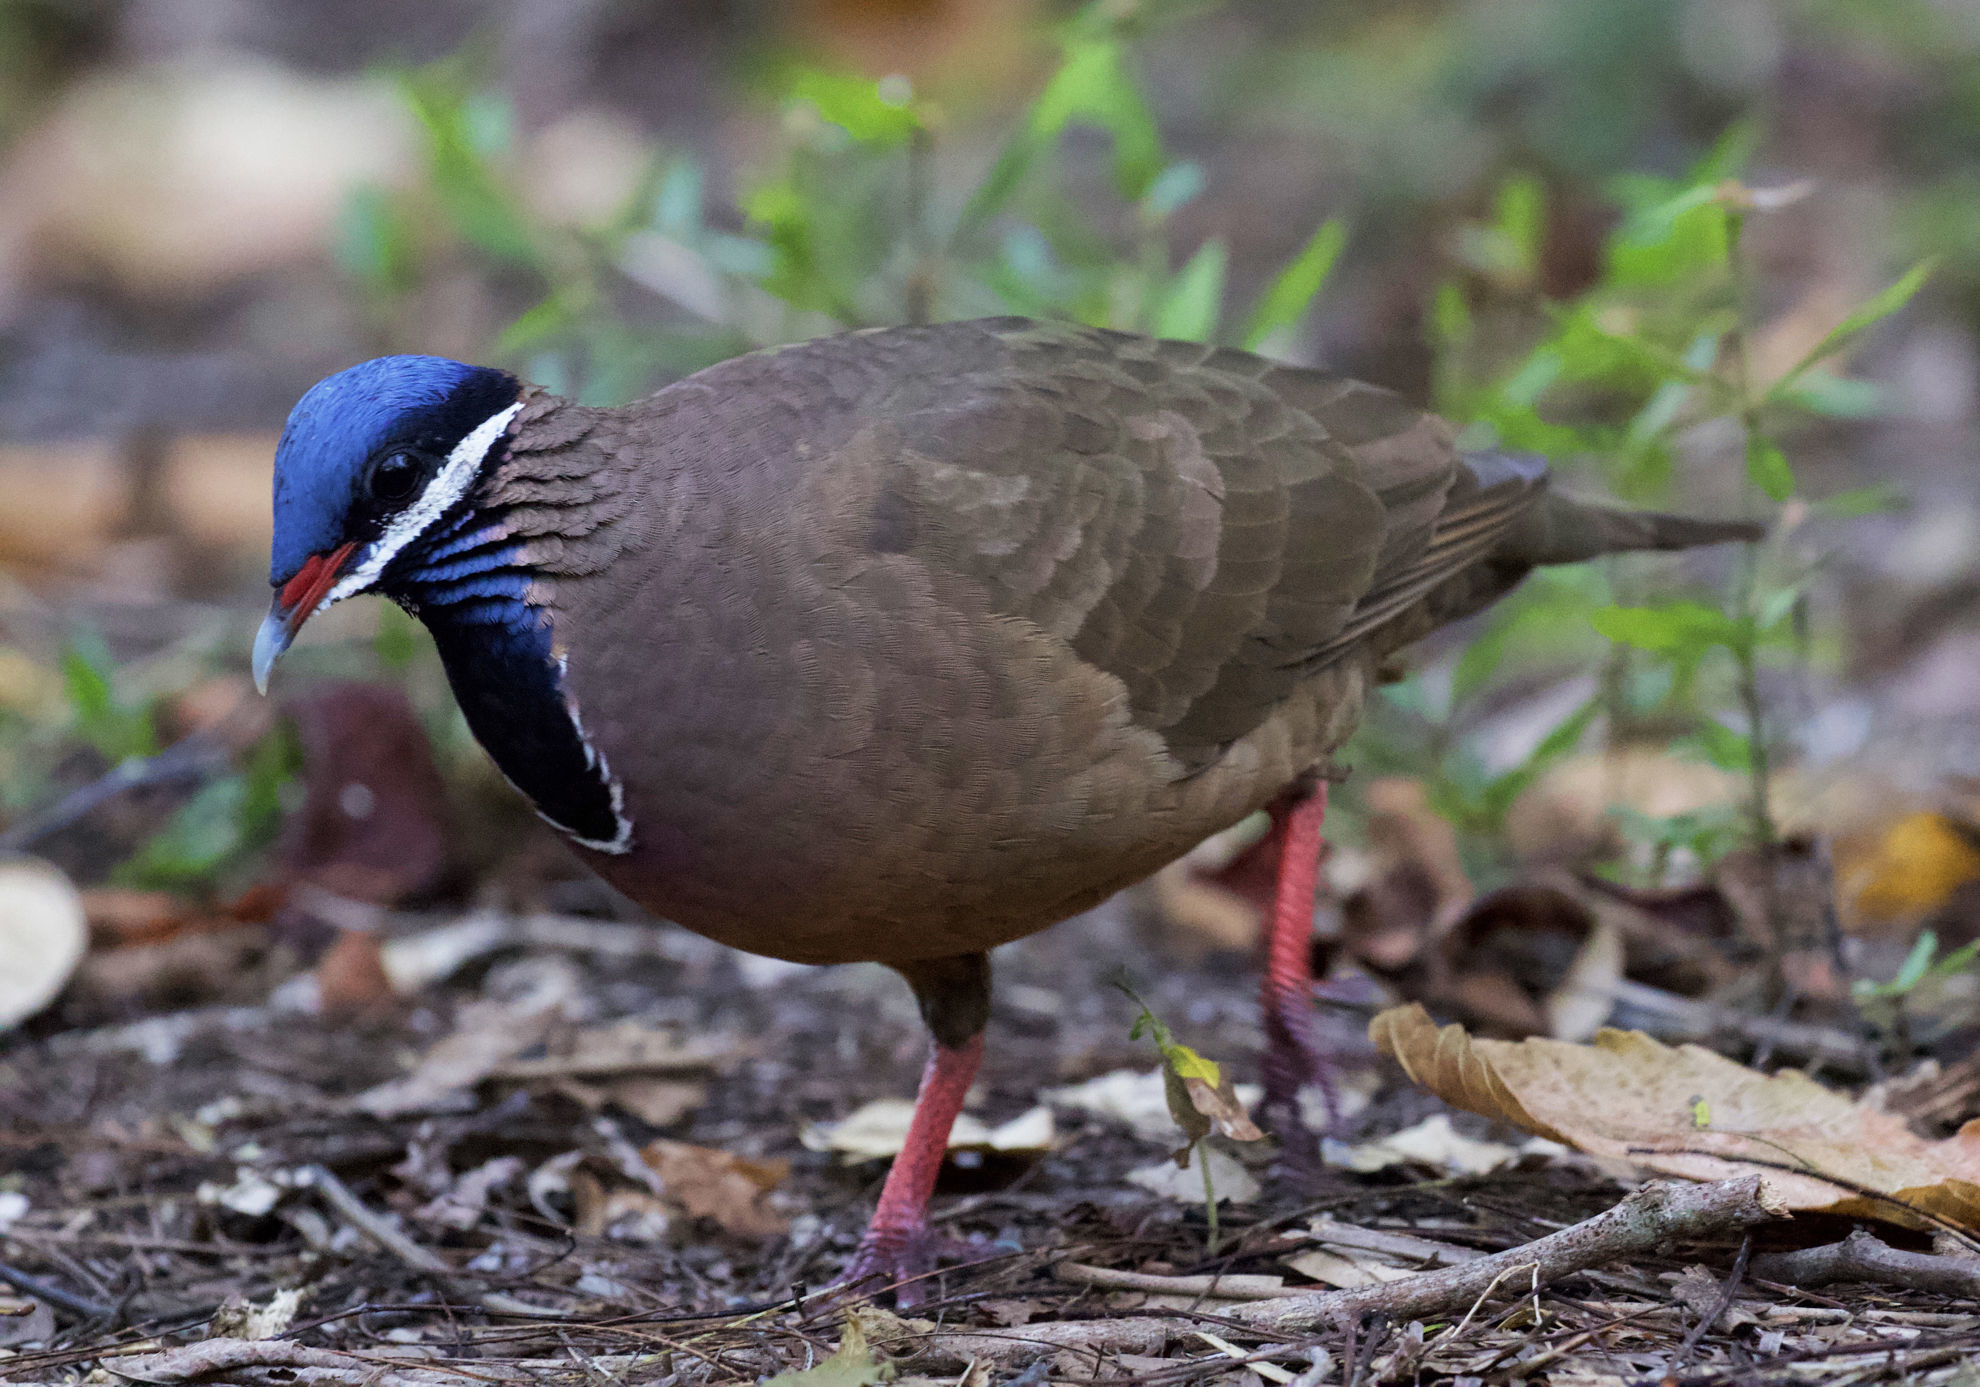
point(1209, 899)
point(624, 1047)
point(720, 1185)
point(461, 1204)
point(1685, 1111)
point(1348, 1269)
point(1182, 1180)
point(1137, 1098)
point(25, 1320)
point(878, 1132)
point(486, 1033)
point(1432, 1142)
point(1201, 1097)
point(243, 1319)
point(852, 1365)
point(619, 1213)
point(656, 1102)
point(373, 825)
point(43, 932)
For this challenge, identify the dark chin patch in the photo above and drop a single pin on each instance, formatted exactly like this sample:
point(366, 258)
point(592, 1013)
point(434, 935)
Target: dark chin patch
point(507, 687)
point(468, 586)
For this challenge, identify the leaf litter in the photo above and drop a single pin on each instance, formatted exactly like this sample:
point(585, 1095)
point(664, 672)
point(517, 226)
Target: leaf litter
point(543, 1137)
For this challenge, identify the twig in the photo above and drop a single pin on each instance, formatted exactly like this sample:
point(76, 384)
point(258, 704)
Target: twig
point(1654, 1217)
point(1720, 1303)
point(192, 761)
point(1329, 1233)
point(212, 1357)
point(1694, 1020)
point(55, 1295)
point(1217, 1287)
point(1863, 1257)
point(338, 1196)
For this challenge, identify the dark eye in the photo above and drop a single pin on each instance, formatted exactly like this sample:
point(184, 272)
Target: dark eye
point(394, 478)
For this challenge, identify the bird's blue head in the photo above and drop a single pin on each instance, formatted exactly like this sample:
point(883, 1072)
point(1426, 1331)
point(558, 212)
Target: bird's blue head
point(370, 463)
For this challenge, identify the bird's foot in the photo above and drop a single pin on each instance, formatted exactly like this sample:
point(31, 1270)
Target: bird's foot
point(902, 1260)
point(1293, 1062)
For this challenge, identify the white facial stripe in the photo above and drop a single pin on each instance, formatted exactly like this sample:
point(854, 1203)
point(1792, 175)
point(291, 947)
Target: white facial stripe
point(449, 484)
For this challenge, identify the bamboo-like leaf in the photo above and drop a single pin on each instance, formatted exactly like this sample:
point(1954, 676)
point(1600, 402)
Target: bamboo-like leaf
point(1298, 284)
point(1195, 299)
point(1873, 310)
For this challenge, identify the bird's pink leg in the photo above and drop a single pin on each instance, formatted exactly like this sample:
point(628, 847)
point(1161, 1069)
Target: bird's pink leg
point(897, 1242)
point(1292, 1060)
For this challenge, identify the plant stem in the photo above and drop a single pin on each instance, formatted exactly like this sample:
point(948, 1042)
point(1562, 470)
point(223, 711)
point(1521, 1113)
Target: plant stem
point(1764, 831)
point(1211, 1238)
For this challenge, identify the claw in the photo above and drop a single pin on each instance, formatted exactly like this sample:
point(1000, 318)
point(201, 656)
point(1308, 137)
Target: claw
point(901, 1260)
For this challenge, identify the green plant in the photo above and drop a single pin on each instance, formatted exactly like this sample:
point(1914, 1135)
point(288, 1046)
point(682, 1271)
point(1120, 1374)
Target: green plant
point(847, 224)
point(1616, 385)
point(1202, 1101)
point(114, 726)
point(215, 834)
point(1889, 1005)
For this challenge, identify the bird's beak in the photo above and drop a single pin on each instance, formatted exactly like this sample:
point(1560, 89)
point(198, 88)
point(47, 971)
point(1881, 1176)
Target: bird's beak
point(294, 603)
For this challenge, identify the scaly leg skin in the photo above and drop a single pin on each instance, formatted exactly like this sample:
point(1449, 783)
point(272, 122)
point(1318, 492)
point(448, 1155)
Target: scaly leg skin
point(1292, 1059)
point(898, 1245)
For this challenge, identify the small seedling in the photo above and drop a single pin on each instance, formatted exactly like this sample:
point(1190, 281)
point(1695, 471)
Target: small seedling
point(1202, 1100)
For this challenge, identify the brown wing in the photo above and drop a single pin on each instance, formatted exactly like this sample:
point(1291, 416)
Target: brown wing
point(1204, 525)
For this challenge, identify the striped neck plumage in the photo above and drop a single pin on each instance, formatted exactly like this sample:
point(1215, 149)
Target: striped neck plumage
point(471, 585)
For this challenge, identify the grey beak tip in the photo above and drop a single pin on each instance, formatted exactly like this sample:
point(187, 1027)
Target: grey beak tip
point(269, 643)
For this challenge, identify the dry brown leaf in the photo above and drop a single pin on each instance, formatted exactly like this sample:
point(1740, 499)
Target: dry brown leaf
point(622, 1048)
point(64, 501)
point(43, 932)
point(350, 977)
point(24, 1320)
point(1411, 888)
point(1200, 1107)
point(1567, 814)
point(720, 1185)
point(485, 1034)
point(373, 825)
point(216, 486)
point(1691, 1113)
point(1346, 1270)
point(656, 1102)
point(124, 915)
point(617, 1212)
point(1135, 1098)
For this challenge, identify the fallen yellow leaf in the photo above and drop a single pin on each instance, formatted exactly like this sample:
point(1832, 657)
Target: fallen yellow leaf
point(1628, 1095)
point(1912, 869)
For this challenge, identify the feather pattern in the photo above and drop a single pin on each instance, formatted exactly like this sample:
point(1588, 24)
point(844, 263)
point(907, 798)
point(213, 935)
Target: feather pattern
point(909, 642)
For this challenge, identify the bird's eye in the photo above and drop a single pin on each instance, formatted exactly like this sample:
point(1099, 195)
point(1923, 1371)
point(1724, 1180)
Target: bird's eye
point(394, 478)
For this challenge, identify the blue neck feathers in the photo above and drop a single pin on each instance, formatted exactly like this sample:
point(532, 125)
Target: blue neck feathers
point(470, 585)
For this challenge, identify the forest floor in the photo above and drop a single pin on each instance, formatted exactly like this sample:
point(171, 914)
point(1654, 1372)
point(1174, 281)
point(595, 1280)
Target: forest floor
point(579, 1154)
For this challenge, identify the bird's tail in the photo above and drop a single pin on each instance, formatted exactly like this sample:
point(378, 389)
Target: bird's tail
point(1563, 530)
point(1560, 529)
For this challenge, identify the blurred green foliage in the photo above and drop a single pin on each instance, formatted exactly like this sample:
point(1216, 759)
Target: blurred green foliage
point(855, 214)
point(843, 226)
point(1622, 381)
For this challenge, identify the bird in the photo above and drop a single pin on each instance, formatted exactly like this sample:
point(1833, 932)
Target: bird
point(901, 644)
